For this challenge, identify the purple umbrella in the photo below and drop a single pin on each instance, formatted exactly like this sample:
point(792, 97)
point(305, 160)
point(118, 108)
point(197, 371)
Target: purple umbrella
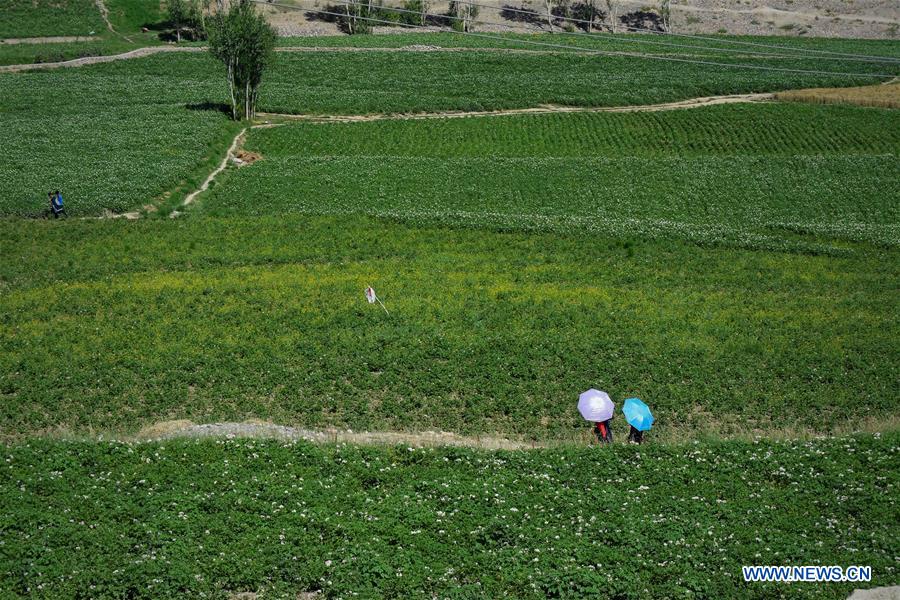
point(595, 405)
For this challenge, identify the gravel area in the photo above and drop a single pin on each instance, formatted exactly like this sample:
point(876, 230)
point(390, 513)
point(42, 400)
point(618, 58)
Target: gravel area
point(875, 19)
point(260, 429)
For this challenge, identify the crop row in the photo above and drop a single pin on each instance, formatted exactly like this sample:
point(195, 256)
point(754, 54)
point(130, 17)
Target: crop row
point(211, 519)
point(736, 45)
point(704, 174)
point(790, 129)
point(365, 82)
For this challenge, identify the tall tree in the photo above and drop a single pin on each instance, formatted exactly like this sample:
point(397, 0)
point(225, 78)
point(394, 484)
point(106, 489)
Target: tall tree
point(243, 40)
point(188, 15)
point(178, 15)
point(665, 12)
point(549, 4)
point(612, 7)
point(465, 13)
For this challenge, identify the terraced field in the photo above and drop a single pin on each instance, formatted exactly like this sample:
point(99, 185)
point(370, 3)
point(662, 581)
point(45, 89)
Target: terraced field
point(163, 112)
point(79, 20)
point(708, 175)
point(223, 319)
point(36, 18)
point(145, 141)
point(735, 266)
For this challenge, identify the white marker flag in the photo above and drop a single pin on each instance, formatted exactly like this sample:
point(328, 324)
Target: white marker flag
point(372, 298)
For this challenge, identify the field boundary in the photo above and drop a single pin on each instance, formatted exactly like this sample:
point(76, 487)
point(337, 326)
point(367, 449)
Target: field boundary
point(580, 437)
point(265, 430)
point(54, 39)
point(104, 14)
point(538, 110)
point(93, 60)
point(414, 48)
point(229, 156)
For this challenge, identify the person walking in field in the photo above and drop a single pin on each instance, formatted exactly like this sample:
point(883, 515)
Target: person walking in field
point(635, 436)
point(57, 207)
point(603, 431)
point(598, 408)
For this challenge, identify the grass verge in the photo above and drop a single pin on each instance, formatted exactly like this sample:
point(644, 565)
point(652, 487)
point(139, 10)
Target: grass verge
point(883, 96)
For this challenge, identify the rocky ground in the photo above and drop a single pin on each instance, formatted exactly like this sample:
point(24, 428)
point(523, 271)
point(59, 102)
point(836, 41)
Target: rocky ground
point(874, 19)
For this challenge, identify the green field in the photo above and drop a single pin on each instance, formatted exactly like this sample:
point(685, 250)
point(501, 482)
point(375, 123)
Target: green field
point(185, 519)
point(355, 83)
point(708, 175)
point(52, 18)
point(39, 18)
point(735, 266)
point(231, 318)
point(160, 115)
point(751, 47)
point(145, 141)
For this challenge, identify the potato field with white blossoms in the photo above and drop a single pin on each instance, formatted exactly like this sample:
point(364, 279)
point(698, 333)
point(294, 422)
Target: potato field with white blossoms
point(212, 518)
point(735, 266)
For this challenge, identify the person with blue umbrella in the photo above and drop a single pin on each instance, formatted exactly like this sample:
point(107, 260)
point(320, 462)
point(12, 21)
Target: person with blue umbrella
point(639, 417)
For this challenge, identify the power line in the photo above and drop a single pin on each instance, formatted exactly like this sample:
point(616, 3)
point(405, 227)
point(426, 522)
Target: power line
point(836, 55)
point(563, 46)
point(874, 58)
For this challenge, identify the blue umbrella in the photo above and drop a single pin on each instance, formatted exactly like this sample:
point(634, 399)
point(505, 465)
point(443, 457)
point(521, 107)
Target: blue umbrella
point(638, 414)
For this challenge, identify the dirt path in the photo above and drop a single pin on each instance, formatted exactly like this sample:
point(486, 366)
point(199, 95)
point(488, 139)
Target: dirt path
point(104, 14)
point(261, 429)
point(93, 60)
point(229, 157)
point(58, 39)
point(540, 110)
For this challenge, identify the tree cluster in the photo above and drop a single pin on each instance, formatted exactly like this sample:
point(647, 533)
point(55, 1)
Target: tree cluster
point(188, 18)
point(244, 42)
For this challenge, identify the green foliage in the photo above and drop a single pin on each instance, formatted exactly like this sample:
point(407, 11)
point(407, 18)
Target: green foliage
point(128, 16)
point(38, 18)
point(357, 17)
point(462, 13)
point(58, 18)
point(361, 82)
point(187, 16)
point(178, 13)
point(417, 11)
point(213, 518)
point(244, 42)
point(120, 136)
point(147, 99)
point(587, 14)
point(635, 41)
point(112, 325)
point(23, 54)
point(709, 175)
